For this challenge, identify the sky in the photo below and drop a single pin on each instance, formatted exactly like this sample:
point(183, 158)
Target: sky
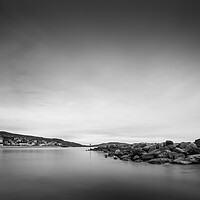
point(99, 71)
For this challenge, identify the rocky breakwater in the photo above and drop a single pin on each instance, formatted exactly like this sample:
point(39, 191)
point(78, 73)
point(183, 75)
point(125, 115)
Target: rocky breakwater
point(155, 153)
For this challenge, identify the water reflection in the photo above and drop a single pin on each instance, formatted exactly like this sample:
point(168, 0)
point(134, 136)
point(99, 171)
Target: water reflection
point(76, 174)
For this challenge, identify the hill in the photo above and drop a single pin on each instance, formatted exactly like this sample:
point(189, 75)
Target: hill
point(12, 139)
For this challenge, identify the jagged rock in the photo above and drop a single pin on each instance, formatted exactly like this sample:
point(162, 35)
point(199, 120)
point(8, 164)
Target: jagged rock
point(125, 158)
point(159, 145)
point(155, 152)
point(169, 142)
point(182, 145)
point(195, 159)
point(171, 147)
point(175, 155)
point(160, 160)
point(137, 151)
point(163, 155)
point(182, 161)
point(179, 150)
point(197, 142)
point(135, 158)
point(117, 152)
point(141, 145)
point(147, 156)
point(146, 148)
point(152, 148)
point(164, 149)
point(106, 155)
point(115, 157)
point(192, 148)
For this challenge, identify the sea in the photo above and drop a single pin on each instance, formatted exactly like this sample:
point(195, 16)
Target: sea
point(77, 174)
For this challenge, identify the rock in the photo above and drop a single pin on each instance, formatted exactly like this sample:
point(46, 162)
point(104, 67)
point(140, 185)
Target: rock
point(141, 145)
point(159, 145)
point(147, 156)
point(164, 149)
point(171, 146)
point(152, 148)
point(106, 155)
point(125, 158)
point(160, 160)
point(146, 148)
point(182, 161)
point(163, 155)
point(175, 155)
point(179, 150)
point(169, 142)
point(137, 151)
point(115, 157)
point(191, 148)
point(135, 158)
point(155, 152)
point(182, 145)
point(195, 159)
point(117, 152)
point(197, 142)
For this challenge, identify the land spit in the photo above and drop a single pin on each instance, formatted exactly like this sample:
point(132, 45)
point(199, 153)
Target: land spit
point(155, 153)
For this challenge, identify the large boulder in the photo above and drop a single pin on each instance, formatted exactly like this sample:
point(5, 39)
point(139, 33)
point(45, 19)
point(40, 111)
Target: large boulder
point(169, 142)
point(182, 161)
point(152, 148)
point(146, 148)
point(137, 151)
point(125, 158)
point(192, 149)
point(147, 156)
point(182, 145)
point(160, 160)
point(135, 158)
point(179, 150)
point(197, 142)
point(195, 159)
point(175, 155)
point(164, 149)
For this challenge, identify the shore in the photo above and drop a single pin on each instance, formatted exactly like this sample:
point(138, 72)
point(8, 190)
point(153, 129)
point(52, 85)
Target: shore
point(184, 153)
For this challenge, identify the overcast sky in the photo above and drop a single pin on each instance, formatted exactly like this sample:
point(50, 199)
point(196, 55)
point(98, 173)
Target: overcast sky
point(99, 71)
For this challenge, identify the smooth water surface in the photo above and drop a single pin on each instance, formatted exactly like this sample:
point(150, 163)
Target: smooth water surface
point(76, 174)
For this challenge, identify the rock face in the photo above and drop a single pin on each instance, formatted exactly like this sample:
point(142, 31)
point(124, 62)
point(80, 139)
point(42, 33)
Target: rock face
point(167, 152)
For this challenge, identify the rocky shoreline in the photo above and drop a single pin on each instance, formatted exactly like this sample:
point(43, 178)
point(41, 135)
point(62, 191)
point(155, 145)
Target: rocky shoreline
point(184, 153)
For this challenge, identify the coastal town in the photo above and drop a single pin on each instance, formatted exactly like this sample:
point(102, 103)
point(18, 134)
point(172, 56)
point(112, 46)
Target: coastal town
point(15, 140)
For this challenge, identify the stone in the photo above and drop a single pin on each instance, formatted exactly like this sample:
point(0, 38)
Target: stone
point(169, 142)
point(160, 160)
point(197, 142)
point(162, 155)
point(137, 151)
point(115, 157)
point(152, 148)
point(182, 161)
point(171, 146)
point(146, 148)
point(195, 159)
point(182, 145)
point(164, 149)
point(117, 152)
point(191, 148)
point(147, 156)
point(179, 150)
point(135, 158)
point(155, 152)
point(125, 158)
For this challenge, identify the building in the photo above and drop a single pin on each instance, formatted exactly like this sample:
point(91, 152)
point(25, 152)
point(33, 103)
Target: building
point(1, 141)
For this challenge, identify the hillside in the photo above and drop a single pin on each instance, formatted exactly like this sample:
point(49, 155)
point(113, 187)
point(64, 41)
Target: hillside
point(12, 139)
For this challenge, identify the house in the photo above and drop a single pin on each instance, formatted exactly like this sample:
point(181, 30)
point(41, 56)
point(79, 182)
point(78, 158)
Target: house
point(1, 141)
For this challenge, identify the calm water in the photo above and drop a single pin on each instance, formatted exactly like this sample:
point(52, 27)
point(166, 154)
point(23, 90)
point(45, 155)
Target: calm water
point(76, 174)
